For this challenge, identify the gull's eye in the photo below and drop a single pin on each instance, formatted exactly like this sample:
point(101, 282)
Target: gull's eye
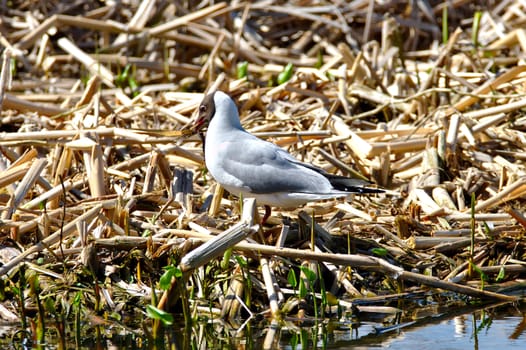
point(202, 108)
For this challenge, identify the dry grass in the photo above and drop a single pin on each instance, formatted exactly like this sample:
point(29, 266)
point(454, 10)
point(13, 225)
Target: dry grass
point(95, 97)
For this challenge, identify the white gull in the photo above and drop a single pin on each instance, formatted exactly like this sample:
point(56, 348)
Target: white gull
point(253, 168)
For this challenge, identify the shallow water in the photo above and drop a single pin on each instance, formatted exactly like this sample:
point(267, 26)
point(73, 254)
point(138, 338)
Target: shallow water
point(458, 334)
point(490, 327)
point(502, 327)
point(498, 327)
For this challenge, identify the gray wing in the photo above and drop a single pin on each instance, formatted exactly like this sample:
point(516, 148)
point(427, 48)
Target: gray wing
point(262, 167)
point(343, 183)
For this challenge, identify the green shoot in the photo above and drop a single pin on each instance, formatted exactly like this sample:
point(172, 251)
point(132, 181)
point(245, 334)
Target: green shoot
point(502, 274)
point(12, 66)
point(483, 276)
point(243, 263)
point(226, 259)
point(286, 74)
point(311, 278)
point(379, 251)
point(160, 315)
point(445, 32)
point(311, 275)
point(169, 273)
point(319, 60)
point(242, 70)
point(77, 306)
point(302, 290)
point(292, 279)
point(475, 29)
point(127, 79)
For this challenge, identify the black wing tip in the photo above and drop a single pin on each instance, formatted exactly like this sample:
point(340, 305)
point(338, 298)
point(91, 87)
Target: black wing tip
point(362, 190)
point(352, 185)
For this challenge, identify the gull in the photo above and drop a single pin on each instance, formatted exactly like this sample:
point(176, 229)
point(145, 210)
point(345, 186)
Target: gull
point(250, 167)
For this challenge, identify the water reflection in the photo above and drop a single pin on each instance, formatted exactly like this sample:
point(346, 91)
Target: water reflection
point(489, 327)
point(455, 327)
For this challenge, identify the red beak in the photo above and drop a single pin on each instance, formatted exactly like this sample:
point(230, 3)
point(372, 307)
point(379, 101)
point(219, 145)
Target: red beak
point(198, 125)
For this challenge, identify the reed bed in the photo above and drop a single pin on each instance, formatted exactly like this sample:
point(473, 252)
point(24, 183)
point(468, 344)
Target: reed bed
point(105, 202)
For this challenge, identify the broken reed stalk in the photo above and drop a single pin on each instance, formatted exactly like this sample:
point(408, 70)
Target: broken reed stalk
point(212, 249)
point(508, 193)
point(270, 285)
point(54, 193)
point(352, 260)
point(47, 242)
point(13, 174)
point(5, 74)
point(491, 85)
point(16, 103)
point(24, 186)
point(91, 64)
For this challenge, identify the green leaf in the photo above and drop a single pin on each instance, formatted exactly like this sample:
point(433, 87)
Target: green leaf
point(319, 60)
point(285, 76)
point(127, 79)
point(311, 275)
point(226, 259)
point(487, 229)
point(115, 316)
point(242, 69)
point(302, 289)
point(134, 86)
point(12, 66)
point(445, 30)
point(122, 78)
point(379, 251)
point(483, 276)
point(166, 279)
point(291, 278)
point(323, 292)
point(34, 282)
point(475, 29)
point(77, 299)
point(293, 340)
point(241, 261)
point(158, 314)
point(501, 275)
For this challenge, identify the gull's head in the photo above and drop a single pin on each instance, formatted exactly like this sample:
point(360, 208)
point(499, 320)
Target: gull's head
point(207, 110)
point(219, 104)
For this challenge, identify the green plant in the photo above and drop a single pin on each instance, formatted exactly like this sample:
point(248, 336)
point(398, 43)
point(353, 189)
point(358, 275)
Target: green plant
point(445, 31)
point(286, 74)
point(127, 79)
point(159, 315)
point(475, 29)
point(242, 70)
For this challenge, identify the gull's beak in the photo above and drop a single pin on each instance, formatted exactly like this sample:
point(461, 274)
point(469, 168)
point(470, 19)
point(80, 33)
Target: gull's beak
point(206, 111)
point(199, 124)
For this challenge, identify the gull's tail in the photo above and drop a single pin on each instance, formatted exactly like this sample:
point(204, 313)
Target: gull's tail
point(351, 185)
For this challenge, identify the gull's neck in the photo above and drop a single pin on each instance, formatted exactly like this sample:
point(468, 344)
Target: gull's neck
point(226, 117)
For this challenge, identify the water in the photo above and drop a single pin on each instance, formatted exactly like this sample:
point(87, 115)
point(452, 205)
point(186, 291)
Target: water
point(458, 333)
point(499, 327)
point(460, 327)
